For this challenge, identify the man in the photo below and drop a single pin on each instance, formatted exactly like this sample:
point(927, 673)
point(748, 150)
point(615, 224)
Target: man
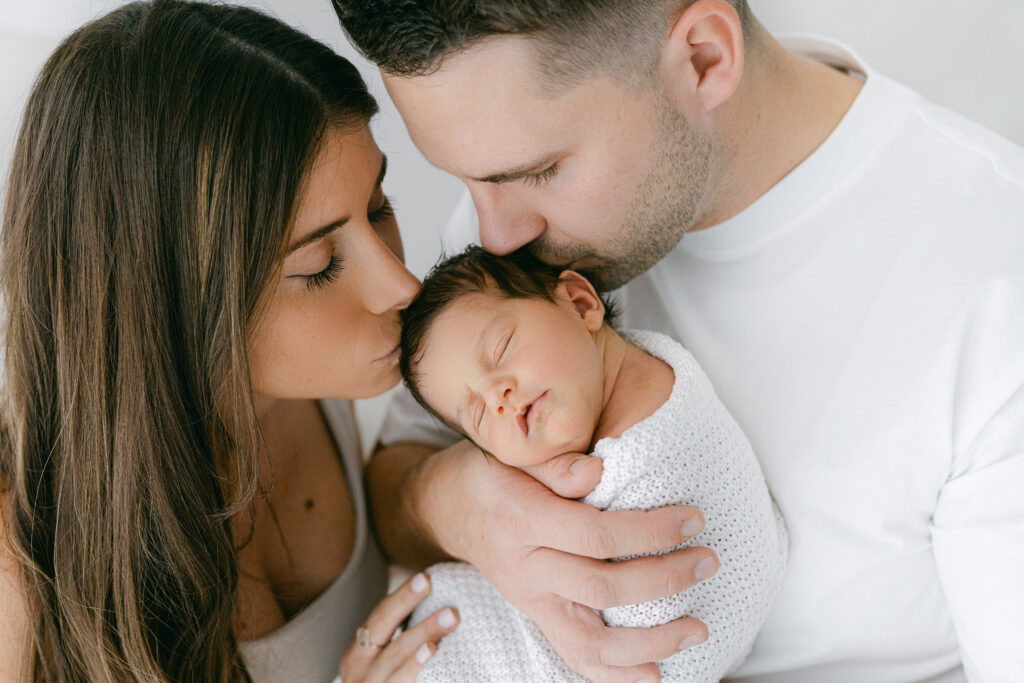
point(851, 278)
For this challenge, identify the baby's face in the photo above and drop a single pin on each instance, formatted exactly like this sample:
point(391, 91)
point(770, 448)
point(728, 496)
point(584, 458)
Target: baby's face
point(523, 378)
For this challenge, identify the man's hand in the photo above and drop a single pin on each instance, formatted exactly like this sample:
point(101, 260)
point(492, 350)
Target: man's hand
point(547, 555)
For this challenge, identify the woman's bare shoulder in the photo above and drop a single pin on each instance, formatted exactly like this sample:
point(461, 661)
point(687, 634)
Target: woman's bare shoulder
point(13, 607)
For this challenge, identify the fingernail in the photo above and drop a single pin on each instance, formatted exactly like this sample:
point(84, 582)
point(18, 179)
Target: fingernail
point(690, 640)
point(578, 463)
point(692, 526)
point(423, 654)
point(419, 583)
point(705, 569)
point(446, 619)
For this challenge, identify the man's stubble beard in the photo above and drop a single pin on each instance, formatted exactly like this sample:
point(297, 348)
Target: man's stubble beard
point(667, 202)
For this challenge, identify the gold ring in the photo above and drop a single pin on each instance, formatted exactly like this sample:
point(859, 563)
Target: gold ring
point(363, 638)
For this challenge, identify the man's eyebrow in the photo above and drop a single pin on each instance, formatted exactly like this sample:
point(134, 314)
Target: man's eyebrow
point(521, 171)
point(334, 225)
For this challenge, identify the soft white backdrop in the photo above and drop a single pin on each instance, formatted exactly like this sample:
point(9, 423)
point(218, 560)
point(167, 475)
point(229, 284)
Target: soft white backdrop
point(965, 54)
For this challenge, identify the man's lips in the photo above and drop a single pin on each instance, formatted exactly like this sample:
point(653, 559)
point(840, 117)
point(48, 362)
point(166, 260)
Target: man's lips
point(527, 414)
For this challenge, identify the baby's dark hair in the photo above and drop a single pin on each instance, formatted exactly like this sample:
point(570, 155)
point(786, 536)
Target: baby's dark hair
point(518, 275)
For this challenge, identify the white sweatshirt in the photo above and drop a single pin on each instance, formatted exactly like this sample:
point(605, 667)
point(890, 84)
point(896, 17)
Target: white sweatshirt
point(863, 321)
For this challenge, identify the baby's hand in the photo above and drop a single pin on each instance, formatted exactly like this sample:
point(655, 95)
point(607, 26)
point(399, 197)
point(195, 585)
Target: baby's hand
point(570, 475)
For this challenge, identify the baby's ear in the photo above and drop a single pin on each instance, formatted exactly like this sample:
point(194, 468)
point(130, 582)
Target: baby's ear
point(576, 290)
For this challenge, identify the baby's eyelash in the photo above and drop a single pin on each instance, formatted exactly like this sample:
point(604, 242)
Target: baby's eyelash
point(325, 276)
point(499, 350)
point(543, 177)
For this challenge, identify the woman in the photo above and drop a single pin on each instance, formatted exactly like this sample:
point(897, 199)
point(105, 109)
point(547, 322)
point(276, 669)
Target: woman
point(195, 248)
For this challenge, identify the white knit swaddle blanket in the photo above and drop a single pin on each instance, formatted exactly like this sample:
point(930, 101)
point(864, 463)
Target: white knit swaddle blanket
point(689, 452)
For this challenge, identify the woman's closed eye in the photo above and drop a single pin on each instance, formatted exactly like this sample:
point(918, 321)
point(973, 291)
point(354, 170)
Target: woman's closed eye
point(325, 276)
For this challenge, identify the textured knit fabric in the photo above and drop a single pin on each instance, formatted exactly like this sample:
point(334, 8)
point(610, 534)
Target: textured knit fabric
point(689, 452)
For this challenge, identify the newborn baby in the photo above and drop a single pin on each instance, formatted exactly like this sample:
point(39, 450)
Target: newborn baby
point(521, 359)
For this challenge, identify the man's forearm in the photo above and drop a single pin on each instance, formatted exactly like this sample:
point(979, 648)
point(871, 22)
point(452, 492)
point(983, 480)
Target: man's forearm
point(392, 480)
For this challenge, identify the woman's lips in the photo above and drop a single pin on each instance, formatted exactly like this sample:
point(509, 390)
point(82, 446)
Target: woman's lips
point(527, 415)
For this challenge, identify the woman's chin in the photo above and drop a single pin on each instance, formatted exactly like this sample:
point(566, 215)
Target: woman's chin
point(387, 380)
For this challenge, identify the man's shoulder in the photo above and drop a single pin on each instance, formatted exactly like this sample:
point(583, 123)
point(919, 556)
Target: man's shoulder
point(952, 134)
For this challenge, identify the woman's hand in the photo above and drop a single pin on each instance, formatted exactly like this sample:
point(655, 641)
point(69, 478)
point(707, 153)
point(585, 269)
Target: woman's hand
point(376, 657)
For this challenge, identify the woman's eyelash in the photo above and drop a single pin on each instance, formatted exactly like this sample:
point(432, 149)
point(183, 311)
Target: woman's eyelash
point(543, 177)
point(382, 214)
point(325, 276)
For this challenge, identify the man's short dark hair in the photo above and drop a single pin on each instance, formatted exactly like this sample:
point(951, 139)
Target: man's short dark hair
point(518, 275)
point(572, 37)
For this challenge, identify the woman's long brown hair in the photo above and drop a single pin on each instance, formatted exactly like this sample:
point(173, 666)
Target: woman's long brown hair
point(150, 197)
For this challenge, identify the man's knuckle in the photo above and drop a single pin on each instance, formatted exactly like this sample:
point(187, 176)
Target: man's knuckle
point(598, 542)
point(676, 580)
point(581, 654)
point(597, 591)
point(507, 523)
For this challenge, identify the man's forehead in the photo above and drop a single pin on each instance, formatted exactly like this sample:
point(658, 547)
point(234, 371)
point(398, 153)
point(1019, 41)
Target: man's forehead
point(482, 113)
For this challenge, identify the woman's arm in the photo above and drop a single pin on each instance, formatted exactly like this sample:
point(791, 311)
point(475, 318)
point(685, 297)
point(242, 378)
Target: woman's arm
point(14, 631)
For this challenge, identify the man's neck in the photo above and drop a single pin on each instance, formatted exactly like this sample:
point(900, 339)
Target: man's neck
point(786, 105)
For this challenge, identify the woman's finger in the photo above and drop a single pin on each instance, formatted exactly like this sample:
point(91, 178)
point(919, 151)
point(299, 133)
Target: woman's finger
point(374, 636)
point(410, 668)
point(407, 646)
point(386, 617)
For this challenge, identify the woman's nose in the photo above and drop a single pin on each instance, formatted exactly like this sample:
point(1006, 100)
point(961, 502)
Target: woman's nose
point(389, 286)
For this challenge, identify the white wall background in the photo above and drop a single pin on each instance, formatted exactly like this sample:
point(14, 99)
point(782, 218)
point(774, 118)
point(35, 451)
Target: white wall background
point(965, 54)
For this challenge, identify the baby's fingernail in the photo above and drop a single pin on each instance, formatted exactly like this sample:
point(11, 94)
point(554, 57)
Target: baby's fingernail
point(690, 640)
point(423, 654)
point(692, 526)
point(705, 569)
point(578, 463)
point(446, 619)
point(419, 583)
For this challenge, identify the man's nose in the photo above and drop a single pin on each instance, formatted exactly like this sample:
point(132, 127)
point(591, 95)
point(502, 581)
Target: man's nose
point(506, 223)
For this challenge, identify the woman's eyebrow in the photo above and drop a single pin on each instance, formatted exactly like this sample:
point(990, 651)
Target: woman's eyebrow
point(317, 234)
point(334, 225)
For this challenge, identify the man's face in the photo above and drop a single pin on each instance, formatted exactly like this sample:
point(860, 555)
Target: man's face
point(602, 178)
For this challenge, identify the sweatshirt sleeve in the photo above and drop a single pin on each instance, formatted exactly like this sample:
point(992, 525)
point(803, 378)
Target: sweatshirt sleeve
point(977, 528)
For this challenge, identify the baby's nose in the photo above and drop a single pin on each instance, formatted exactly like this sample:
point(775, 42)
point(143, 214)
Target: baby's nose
point(504, 400)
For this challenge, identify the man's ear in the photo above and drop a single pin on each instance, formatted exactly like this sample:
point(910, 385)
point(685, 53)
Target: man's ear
point(576, 290)
point(702, 59)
